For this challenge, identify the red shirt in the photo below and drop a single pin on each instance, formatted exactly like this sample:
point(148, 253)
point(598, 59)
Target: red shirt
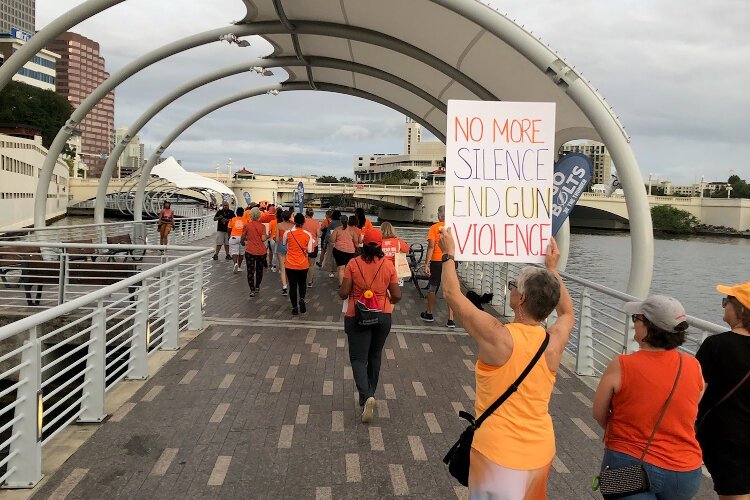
point(313, 227)
point(253, 234)
point(392, 246)
point(365, 274)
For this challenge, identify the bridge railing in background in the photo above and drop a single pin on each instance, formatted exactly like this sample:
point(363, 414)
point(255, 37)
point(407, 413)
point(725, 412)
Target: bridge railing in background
point(186, 230)
point(56, 366)
point(602, 329)
point(180, 210)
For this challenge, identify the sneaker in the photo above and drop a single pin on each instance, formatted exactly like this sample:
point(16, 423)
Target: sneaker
point(450, 324)
point(302, 307)
point(236, 268)
point(284, 292)
point(368, 410)
point(273, 269)
point(309, 285)
point(294, 311)
point(330, 275)
point(319, 264)
point(252, 293)
point(216, 256)
point(227, 257)
point(426, 316)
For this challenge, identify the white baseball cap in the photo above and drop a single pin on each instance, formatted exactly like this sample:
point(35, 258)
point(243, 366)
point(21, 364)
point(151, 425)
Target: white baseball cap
point(661, 310)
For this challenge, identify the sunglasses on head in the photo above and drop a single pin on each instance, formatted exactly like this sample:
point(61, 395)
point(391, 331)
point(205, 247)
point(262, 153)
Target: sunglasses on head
point(512, 284)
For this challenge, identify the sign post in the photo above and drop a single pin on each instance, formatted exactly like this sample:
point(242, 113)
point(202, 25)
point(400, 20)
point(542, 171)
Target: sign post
point(300, 202)
point(499, 179)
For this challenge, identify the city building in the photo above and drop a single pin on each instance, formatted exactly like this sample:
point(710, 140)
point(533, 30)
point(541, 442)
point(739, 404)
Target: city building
point(131, 158)
point(80, 70)
point(422, 157)
point(40, 71)
point(600, 158)
point(19, 14)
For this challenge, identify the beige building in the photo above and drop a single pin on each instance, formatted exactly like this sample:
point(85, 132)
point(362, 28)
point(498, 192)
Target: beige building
point(600, 158)
point(132, 157)
point(40, 71)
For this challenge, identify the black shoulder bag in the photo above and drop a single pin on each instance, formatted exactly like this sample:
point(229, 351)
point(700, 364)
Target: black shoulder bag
point(459, 455)
point(633, 479)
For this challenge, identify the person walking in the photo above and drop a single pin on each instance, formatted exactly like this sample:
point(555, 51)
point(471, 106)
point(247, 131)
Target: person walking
point(344, 243)
point(513, 449)
point(272, 239)
point(323, 234)
point(236, 227)
point(313, 227)
point(369, 273)
point(433, 268)
point(166, 223)
point(281, 247)
point(355, 230)
point(647, 402)
point(723, 424)
point(254, 238)
point(363, 223)
point(392, 244)
point(299, 244)
point(329, 262)
point(222, 218)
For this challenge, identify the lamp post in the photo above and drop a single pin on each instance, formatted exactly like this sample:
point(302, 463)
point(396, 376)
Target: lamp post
point(101, 156)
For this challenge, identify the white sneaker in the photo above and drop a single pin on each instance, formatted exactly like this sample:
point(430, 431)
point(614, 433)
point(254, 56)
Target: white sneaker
point(369, 410)
point(330, 275)
point(236, 268)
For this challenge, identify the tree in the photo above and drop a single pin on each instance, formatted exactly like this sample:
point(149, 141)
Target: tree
point(327, 179)
point(27, 105)
point(673, 220)
point(740, 187)
point(347, 180)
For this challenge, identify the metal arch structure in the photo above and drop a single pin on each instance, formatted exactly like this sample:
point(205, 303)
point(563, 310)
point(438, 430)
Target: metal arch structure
point(476, 27)
point(154, 109)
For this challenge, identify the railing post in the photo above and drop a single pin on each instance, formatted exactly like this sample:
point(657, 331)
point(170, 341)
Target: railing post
point(507, 311)
point(63, 277)
point(195, 311)
point(172, 313)
point(585, 354)
point(138, 362)
point(94, 379)
point(26, 450)
point(498, 283)
point(628, 342)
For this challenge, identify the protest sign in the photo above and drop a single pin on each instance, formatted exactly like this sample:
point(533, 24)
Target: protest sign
point(300, 201)
point(499, 168)
point(572, 173)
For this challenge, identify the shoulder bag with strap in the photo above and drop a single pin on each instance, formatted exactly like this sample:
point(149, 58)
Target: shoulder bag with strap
point(459, 455)
point(633, 479)
point(366, 309)
point(304, 251)
point(726, 396)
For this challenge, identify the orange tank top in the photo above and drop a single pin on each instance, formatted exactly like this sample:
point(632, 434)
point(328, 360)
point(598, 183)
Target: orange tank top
point(519, 434)
point(647, 377)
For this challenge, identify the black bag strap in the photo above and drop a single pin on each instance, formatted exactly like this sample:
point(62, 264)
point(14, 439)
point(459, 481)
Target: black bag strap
point(291, 233)
point(369, 287)
point(726, 396)
point(513, 388)
point(663, 410)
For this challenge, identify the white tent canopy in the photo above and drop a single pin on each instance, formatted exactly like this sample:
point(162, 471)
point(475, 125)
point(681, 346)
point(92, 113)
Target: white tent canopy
point(172, 171)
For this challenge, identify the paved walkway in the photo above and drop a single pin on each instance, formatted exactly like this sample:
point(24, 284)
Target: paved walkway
point(263, 405)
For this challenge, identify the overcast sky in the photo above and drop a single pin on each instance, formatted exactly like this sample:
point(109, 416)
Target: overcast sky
point(673, 71)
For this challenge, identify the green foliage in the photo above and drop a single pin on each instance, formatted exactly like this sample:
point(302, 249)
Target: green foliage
point(346, 180)
point(26, 105)
point(740, 187)
point(327, 179)
point(673, 220)
point(397, 176)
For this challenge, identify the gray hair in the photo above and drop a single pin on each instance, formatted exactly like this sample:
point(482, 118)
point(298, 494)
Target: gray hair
point(441, 212)
point(255, 213)
point(541, 289)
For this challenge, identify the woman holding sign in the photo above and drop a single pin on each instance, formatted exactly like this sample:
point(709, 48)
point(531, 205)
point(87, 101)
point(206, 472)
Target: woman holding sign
point(513, 449)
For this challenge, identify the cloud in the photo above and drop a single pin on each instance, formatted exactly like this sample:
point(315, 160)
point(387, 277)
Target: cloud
point(675, 73)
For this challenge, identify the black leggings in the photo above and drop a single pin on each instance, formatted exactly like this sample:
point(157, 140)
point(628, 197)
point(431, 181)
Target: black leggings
point(255, 264)
point(365, 350)
point(297, 283)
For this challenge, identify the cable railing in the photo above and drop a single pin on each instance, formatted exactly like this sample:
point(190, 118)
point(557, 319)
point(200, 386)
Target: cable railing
point(57, 364)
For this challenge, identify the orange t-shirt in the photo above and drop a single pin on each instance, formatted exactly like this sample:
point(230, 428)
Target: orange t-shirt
point(325, 223)
point(253, 233)
point(392, 246)
point(519, 434)
point(298, 244)
point(647, 377)
point(367, 225)
point(272, 228)
point(312, 226)
point(236, 225)
point(380, 281)
point(265, 217)
point(246, 217)
point(357, 231)
point(434, 235)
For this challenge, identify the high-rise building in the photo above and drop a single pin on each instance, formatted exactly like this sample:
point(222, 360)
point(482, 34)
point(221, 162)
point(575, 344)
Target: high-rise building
point(18, 14)
point(132, 157)
point(80, 71)
point(600, 158)
point(40, 71)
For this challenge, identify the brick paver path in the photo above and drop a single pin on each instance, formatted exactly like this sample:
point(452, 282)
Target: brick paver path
point(262, 405)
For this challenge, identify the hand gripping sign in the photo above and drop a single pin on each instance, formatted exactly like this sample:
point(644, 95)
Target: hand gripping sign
point(572, 173)
point(499, 171)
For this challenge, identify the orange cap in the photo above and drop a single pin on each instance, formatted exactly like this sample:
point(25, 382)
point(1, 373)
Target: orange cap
point(741, 292)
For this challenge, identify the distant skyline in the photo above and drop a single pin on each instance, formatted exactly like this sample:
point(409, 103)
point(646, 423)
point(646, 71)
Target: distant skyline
point(673, 73)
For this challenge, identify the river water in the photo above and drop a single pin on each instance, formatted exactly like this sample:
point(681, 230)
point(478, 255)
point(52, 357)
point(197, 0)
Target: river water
point(686, 268)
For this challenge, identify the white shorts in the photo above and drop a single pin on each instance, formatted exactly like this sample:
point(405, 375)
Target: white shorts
point(234, 245)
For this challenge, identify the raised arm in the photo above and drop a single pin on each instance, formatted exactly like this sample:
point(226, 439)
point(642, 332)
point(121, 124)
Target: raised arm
point(560, 330)
point(494, 340)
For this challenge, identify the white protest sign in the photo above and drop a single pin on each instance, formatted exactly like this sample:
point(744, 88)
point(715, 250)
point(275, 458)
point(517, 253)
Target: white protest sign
point(499, 171)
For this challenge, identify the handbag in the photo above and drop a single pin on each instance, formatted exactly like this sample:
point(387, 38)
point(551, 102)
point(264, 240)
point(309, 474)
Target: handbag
point(633, 479)
point(366, 308)
point(457, 458)
point(403, 271)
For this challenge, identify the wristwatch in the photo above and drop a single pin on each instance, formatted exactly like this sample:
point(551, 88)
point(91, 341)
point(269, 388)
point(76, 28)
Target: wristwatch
point(447, 257)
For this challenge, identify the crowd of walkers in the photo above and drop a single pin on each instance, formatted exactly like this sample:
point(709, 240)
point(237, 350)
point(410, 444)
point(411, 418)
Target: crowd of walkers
point(663, 411)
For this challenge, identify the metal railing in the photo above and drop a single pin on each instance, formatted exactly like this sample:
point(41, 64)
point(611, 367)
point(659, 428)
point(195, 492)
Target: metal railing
point(186, 230)
point(126, 208)
point(57, 365)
